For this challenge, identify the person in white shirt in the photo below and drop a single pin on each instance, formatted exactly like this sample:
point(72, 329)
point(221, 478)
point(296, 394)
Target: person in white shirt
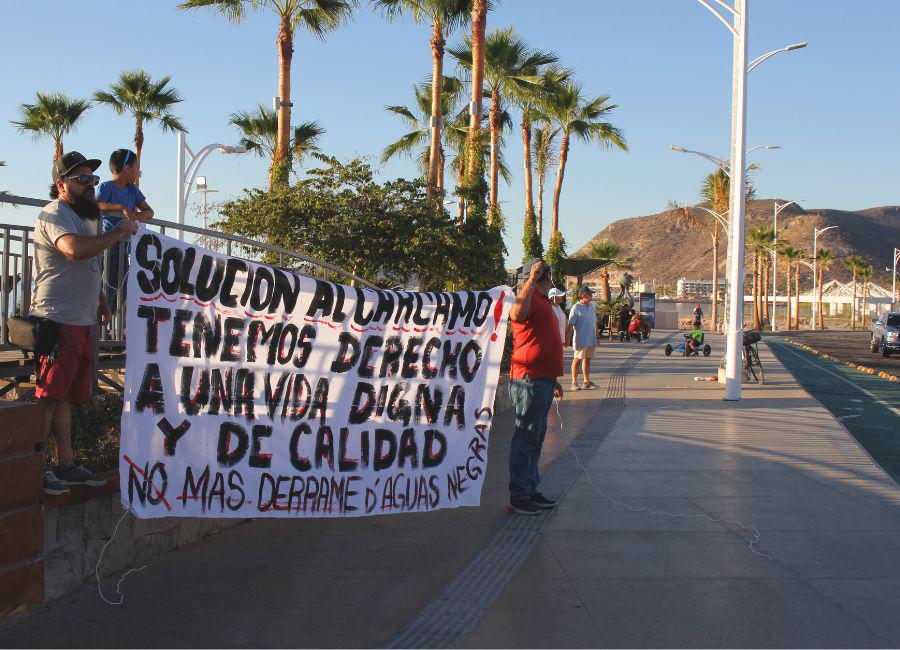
point(557, 297)
point(583, 320)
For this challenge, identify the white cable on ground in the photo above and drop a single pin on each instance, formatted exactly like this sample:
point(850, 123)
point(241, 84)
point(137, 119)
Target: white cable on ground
point(124, 575)
point(729, 525)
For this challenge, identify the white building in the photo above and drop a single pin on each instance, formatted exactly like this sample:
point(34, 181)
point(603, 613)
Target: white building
point(685, 288)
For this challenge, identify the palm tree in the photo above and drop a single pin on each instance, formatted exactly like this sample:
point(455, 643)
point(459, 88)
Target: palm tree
point(445, 15)
point(259, 133)
point(824, 259)
point(800, 256)
point(51, 115)
point(865, 274)
point(542, 145)
point(609, 250)
point(146, 100)
point(418, 119)
point(855, 264)
point(479, 25)
point(511, 70)
point(318, 17)
point(790, 255)
point(570, 111)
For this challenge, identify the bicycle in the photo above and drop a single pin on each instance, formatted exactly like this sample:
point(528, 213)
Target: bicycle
point(752, 363)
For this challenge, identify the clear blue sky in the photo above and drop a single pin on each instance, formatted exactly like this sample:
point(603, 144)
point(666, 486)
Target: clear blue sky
point(667, 63)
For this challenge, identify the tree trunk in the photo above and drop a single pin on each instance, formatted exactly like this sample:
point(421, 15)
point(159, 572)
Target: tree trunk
point(138, 143)
point(853, 306)
point(440, 178)
point(479, 24)
point(435, 167)
point(526, 152)
point(605, 293)
point(57, 149)
point(460, 201)
point(765, 296)
point(540, 206)
point(715, 279)
point(788, 307)
point(495, 145)
point(797, 299)
point(283, 141)
point(560, 175)
point(819, 300)
point(756, 315)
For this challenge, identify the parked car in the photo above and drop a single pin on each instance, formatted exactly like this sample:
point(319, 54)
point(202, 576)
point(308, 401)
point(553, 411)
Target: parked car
point(886, 334)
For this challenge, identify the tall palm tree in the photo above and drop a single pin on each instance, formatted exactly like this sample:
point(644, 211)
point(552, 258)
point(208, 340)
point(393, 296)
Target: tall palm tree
point(800, 256)
point(444, 15)
point(318, 17)
point(855, 264)
point(259, 133)
point(418, 119)
point(479, 13)
point(824, 259)
point(53, 115)
point(574, 114)
point(758, 238)
point(609, 250)
point(865, 275)
point(145, 100)
point(510, 70)
point(790, 255)
point(544, 158)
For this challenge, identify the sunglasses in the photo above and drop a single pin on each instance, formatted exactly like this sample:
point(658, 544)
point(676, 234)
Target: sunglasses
point(85, 179)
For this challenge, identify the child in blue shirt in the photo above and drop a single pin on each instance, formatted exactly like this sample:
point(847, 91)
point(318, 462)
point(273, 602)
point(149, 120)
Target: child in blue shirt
point(120, 199)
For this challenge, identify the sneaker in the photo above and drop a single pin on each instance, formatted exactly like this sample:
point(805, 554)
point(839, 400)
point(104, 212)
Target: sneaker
point(590, 384)
point(523, 507)
point(540, 501)
point(52, 485)
point(78, 474)
point(576, 387)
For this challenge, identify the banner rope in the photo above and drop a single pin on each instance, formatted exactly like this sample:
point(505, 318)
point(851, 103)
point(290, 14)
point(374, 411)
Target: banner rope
point(124, 575)
point(734, 526)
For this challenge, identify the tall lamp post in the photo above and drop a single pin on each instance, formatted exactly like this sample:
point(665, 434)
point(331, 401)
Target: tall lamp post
point(740, 68)
point(816, 233)
point(894, 277)
point(778, 208)
point(187, 167)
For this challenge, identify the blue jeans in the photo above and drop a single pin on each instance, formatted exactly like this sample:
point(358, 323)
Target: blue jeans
point(532, 399)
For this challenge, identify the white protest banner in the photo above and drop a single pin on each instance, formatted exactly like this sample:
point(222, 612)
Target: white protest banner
point(253, 391)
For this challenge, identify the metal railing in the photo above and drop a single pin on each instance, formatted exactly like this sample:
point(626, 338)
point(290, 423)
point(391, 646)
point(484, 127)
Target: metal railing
point(17, 274)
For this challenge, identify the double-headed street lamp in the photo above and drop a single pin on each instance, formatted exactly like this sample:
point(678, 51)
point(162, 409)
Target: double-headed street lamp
point(738, 28)
point(816, 232)
point(187, 167)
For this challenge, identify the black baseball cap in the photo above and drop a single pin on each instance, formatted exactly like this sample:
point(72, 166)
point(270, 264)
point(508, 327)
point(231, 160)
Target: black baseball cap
point(71, 161)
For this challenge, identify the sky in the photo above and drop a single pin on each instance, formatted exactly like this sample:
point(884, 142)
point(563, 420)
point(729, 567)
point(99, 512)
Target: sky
point(666, 64)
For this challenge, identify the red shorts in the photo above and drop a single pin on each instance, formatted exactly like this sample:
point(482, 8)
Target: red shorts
point(68, 376)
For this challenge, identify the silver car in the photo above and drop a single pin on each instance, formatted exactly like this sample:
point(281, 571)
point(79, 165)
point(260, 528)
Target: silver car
point(886, 334)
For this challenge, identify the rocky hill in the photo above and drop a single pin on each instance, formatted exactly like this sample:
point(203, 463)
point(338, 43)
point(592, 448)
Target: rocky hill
point(666, 248)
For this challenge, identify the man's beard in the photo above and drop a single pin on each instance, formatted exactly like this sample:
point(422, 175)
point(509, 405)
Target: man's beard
point(86, 207)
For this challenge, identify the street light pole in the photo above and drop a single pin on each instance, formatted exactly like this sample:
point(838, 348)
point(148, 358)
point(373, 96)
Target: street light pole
point(894, 277)
point(188, 164)
point(778, 208)
point(815, 305)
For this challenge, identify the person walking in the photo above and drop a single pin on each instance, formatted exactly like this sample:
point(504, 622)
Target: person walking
point(536, 365)
point(66, 289)
point(583, 320)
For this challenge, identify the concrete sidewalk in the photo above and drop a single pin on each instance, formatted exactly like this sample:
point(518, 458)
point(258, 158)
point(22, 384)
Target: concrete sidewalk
point(776, 463)
point(593, 573)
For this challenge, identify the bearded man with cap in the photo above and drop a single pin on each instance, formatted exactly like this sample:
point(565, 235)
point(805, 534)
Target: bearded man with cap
point(67, 291)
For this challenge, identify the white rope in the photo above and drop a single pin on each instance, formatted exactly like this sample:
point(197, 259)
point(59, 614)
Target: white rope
point(727, 524)
point(124, 575)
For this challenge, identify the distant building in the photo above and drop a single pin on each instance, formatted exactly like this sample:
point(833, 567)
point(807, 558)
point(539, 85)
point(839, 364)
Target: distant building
point(685, 288)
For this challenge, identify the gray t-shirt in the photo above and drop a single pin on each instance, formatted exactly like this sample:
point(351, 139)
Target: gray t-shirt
point(65, 291)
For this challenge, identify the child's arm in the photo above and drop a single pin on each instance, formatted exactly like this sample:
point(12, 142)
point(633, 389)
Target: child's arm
point(144, 212)
point(115, 207)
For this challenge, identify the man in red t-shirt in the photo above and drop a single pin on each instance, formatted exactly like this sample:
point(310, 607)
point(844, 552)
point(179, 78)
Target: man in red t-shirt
point(536, 364)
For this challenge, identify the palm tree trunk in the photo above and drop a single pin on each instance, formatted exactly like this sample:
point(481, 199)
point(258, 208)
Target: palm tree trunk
point(57, 149)
point(765, 298)
point(715, 279)
point(540, 206)
point(441, 162)
point(756, 289)
point(495, 145)
point(479, 24)
point(788, 308)
point(460, 201)
point(283, 141)
point(435, 167)
point(819, 300)
point(853, 306)
point(797, 298)
point(560, 175)
point(526, 152)
point(138, 143)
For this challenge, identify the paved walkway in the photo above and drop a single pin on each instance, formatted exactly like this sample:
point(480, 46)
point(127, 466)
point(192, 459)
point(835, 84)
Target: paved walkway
point(597, 572)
